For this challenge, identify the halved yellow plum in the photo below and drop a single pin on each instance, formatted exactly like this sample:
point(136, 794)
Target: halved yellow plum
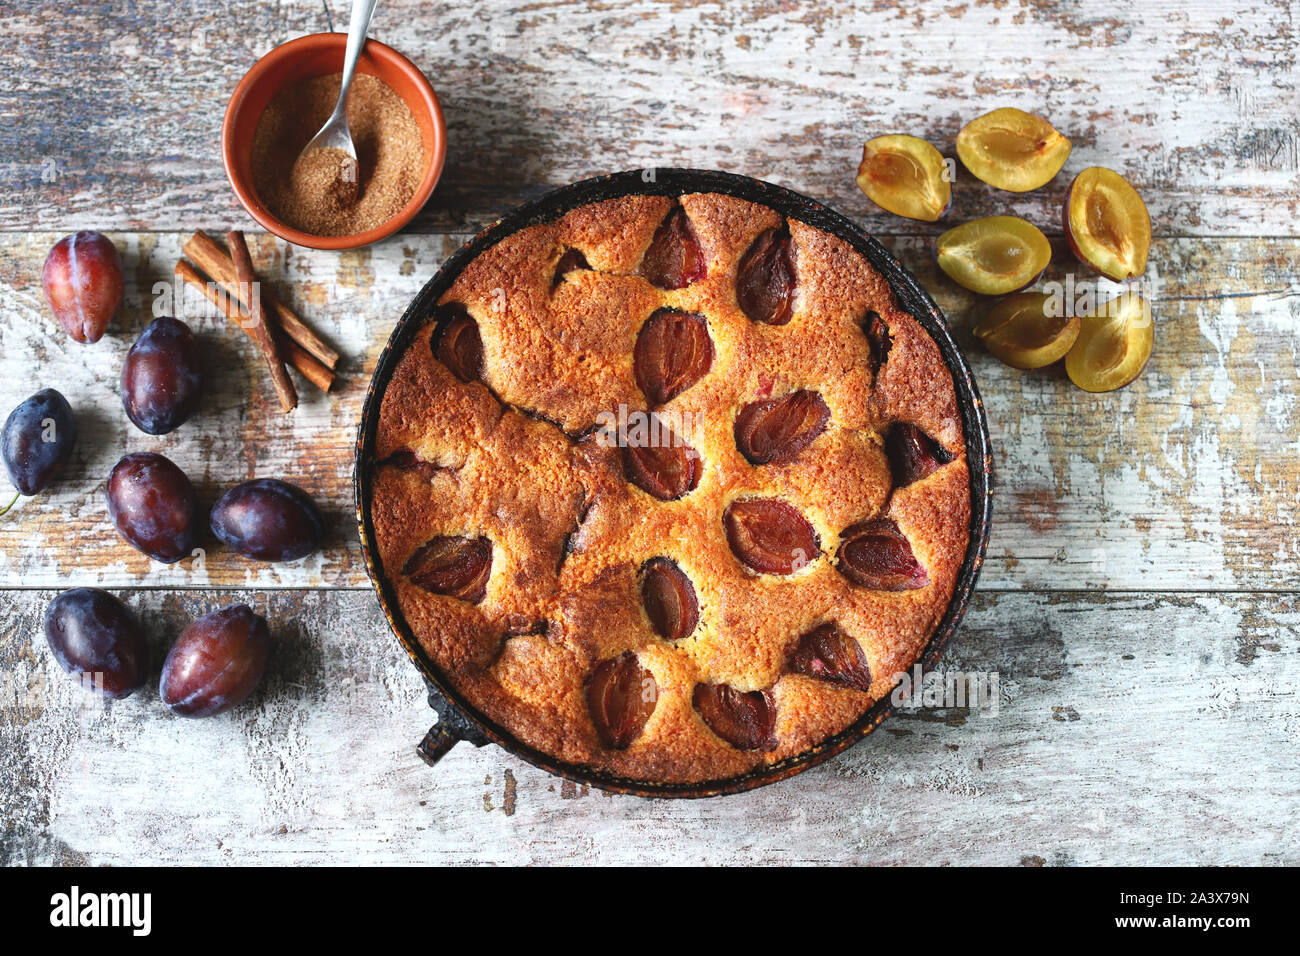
point(1113, 346)
point(1012, 149)
point(1025, 331)
point(994, 255)
point(1107, 223)
point(905, 175)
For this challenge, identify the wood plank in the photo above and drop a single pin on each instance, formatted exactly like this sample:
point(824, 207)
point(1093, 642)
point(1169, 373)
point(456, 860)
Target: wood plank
point(1137, 728)
point(1186, 479)
point(1195, 102)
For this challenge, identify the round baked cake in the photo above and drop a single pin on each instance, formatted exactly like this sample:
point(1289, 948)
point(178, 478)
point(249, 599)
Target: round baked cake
point(671, 488)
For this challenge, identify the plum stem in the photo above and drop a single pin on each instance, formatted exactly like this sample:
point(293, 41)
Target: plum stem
point(12, 502)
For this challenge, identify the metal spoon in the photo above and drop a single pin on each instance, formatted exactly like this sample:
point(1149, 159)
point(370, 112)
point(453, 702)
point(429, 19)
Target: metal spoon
point(335, 133)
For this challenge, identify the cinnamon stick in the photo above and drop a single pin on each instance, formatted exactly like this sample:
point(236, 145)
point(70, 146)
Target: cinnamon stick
point(308, 366)
point(216, 262)
point(258, 328)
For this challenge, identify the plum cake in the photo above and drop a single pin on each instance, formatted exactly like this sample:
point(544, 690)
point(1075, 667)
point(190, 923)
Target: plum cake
point(671, 487)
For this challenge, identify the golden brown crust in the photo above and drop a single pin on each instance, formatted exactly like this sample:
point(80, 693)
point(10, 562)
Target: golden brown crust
point(513, 458)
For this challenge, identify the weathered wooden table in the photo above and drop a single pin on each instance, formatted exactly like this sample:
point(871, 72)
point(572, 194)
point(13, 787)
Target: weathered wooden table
point(1141, 599)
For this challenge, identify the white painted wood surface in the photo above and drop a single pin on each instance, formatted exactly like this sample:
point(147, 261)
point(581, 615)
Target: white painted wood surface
point(1140, 597)
point(1188, 478)
point(1196, 101)
point(1139, 727)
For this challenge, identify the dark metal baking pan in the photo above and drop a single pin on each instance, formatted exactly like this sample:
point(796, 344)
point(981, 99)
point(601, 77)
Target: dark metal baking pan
point(460, 721)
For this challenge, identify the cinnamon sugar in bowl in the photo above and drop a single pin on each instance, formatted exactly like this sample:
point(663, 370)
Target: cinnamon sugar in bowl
point(397, 127)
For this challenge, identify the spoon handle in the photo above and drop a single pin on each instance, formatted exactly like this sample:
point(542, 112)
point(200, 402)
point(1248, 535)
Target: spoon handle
point(362, 11)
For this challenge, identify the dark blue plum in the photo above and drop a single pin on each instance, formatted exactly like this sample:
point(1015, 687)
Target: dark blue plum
point(38, 439)
point(95, 639)
point(216, 662)
point(268, 519)
point(153, 506)
point(162, 378)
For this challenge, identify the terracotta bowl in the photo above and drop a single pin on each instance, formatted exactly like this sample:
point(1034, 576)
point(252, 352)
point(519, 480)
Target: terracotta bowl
point(318, 55)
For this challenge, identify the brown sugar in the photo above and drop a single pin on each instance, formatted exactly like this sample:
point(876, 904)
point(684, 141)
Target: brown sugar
point(324, 193)
point(324, 182)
